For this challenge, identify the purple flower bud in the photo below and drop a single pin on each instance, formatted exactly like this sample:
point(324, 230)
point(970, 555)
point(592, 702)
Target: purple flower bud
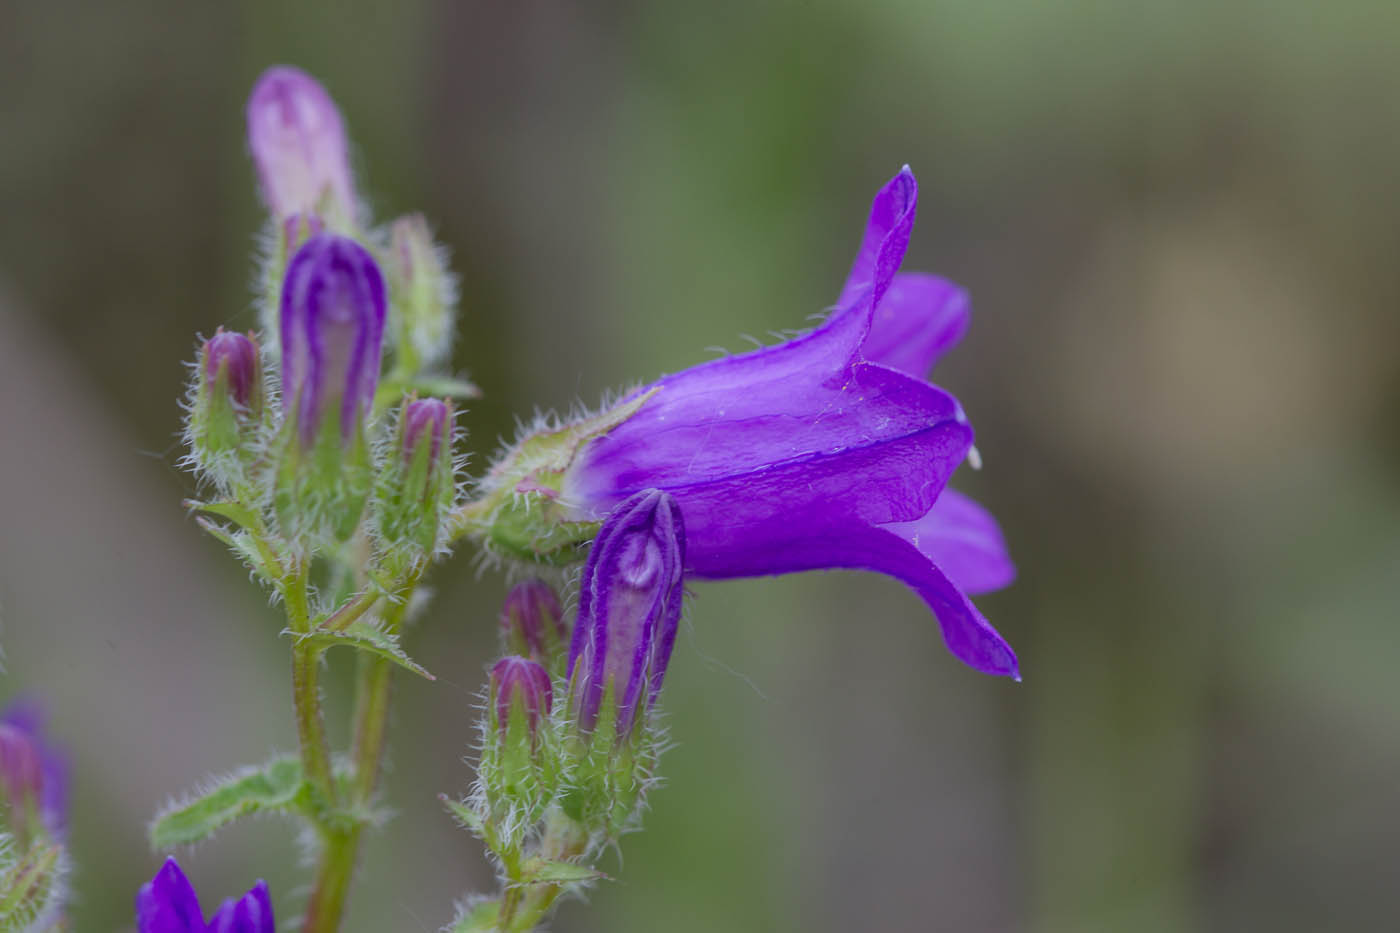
point(298, 143)
point(235, 355)
point(33, 775)
point(629, 609)
point(168, 904)
point(425, 420)
point(532, 620)
point(332, 335)
point(516, 680)
point(21, 773)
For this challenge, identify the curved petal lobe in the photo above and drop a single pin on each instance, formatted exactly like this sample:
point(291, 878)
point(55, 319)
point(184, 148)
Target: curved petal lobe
point(885, 241)
point(920, 318)
point(963, 540)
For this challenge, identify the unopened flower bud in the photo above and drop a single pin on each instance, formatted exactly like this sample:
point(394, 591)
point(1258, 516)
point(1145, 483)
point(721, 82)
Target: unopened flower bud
point(33, 775)
point(416, 488)
point(227, 408)
point(332, 329)
point(424, 290)
point(519, 763)
point(629, 610)
point(298, 144)
point(532, 621)
point(427, 423)
point(232, 370)
point(520, 692)
point(21, 773)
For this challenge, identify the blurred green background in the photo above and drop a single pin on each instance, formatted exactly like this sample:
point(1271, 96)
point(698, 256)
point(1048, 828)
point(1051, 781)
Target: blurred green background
point(1179, 223)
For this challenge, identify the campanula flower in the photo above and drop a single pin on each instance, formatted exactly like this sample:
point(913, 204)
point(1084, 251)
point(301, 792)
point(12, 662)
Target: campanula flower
point(629, 609)
point(827, 451)
point(168, 904)
point(332, 334)
point(299, 146)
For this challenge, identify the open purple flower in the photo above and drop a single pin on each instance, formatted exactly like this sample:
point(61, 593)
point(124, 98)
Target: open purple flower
point(629, 607)
point(826, 451)
point(298, 144)
point(168, 904)
point(332, 324)
point(33, 774)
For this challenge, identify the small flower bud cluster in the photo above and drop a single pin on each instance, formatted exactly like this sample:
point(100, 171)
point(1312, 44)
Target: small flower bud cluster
point(579, 769)
point(298, 428)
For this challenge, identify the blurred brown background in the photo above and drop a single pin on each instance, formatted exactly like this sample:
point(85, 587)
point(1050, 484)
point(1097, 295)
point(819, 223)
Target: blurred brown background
point(1179, 225)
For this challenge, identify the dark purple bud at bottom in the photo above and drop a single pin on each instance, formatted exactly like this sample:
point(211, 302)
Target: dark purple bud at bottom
point(332, 324)
point(235, 355)
point(629, 609)
point(519, 680)
point(532, 620)
point(425, 419)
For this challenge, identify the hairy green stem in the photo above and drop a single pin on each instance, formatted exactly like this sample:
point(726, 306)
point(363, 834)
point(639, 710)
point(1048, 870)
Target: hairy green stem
point(334, 871)
point(340, 845)
point(306, 689)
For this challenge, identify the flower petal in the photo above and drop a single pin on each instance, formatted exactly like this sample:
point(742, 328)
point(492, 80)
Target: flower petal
point(920, 318)
point(813, 544)
point(251, 913)
point(963, 541)
point(168, 904)
point(886, 238)
point(733, 422)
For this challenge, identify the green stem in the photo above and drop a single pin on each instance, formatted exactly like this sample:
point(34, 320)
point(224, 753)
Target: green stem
point(334, 872)
point(340, 846)
point(306, 689)
point(525, 906)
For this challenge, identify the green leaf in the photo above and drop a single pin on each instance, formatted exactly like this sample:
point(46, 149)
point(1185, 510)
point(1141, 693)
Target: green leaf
point(271, 788)
point(240, 515)
point(464, 814)
point(364, 636)
point(541, 870)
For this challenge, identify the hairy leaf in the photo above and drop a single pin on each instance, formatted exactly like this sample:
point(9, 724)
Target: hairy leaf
point(270, 788)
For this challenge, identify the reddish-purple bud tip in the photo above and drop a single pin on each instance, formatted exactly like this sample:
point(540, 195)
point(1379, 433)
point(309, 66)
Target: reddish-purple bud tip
point(33, 774)
point(532, 620)
point(21, 768)
point(425, 420)
point(237, 355)
point(298, 144)
point(519, 680)
point(629, 609)
point(333, 305)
